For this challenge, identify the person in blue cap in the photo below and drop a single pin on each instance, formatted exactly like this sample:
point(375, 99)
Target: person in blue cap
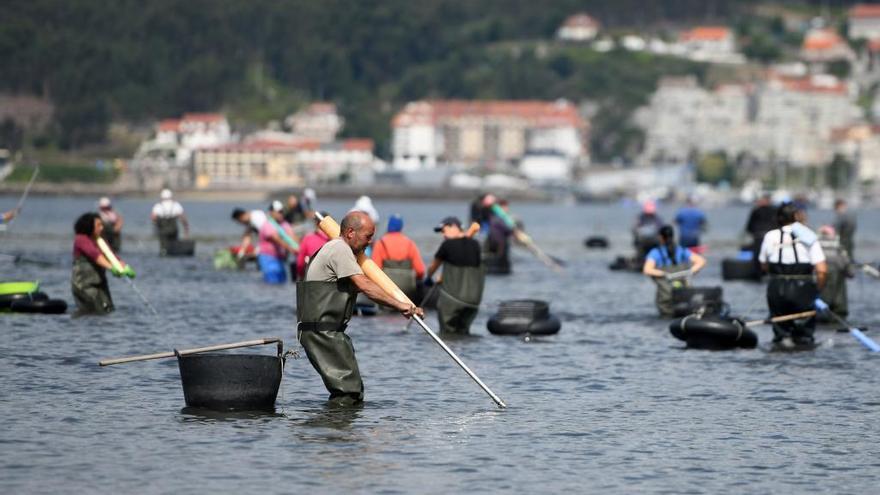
point(399, 257)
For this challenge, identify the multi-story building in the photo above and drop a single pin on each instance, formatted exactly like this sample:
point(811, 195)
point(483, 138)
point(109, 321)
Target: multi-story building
point(578, 28)
point(192, 131)
point(318, 122)
point(709, 44)
point(779, 118)
point(864, 22)
point(821, 46)
point(860, 145)
point(272, 163)
point(486, 134)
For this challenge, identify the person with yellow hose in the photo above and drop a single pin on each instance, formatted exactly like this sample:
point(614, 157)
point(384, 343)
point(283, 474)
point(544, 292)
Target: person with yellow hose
point(88, 278)
point(325, 300)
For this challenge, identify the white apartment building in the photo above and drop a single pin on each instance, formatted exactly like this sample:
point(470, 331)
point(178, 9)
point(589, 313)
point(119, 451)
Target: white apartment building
point(190, 132)
point(864, 22)
point(489, 134)
point(708, 44)
point(318, 121)
point(780, 118)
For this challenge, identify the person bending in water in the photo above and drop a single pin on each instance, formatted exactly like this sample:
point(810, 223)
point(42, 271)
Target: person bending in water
point(325, 300)
point(88, 280)
point(670, 266)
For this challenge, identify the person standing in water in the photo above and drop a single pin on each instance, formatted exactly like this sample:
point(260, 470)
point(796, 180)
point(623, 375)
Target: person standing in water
point(845, 225)
point(274, 247)
point(325, 300)
point(399, 257)
point(252, 221)
point(691, 222)
point(88, 279)
point(165, 215)
point(646, 229)
point(463, 278)
point(112, 221)
point(840, 268)
point(670, 266)
point(797, 273)
point(310, 245)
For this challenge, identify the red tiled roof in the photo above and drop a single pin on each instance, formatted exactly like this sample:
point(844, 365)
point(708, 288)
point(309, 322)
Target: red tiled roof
point(267, 146)
point(537, 113)
point(812, 85)
point(706, 33)
point(169, 125)
point(822, 39)
point(321, 107)
point(203, 117)
point(580, 20)
point(854, 132)
point(874, 45)
point(865, 10)
point(358, 144)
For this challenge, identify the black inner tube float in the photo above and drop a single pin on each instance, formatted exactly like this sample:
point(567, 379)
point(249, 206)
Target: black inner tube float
point(713, 332)
point(523, 316)
point(596, 242)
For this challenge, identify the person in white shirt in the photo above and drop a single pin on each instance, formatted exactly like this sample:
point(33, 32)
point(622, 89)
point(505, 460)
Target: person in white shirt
point(165, 216)
point(253, 221)
point(797, 273)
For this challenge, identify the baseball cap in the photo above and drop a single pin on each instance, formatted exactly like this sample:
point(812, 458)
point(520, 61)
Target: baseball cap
point(447, 221)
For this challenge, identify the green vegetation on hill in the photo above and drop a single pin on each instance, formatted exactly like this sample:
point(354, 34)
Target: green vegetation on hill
point(135, 61)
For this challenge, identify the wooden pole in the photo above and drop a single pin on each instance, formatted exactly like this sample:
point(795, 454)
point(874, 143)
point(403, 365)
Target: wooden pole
point(777, 319)
point(108, 253)
point(162, 355)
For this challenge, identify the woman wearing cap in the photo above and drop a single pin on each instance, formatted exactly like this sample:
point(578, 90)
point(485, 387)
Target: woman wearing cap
point(670, 266)
point(112, 221)
point(165, 216)
point(273, 246)
point(463, 278)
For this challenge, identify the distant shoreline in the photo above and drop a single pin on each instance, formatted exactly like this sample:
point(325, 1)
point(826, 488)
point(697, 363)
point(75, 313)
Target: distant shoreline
point(246, 194)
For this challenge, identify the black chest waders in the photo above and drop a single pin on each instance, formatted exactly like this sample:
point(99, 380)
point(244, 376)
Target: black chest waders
point(166, 229)
point(791, 289)
point(459, 297)
point(323, 310)
point(666, 285)
point(88, 282)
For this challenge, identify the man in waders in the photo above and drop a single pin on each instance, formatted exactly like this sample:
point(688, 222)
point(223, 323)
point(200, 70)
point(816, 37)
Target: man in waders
point(165, 216)
point(325, 301)
point(797, 274)
point(88, 279)
point(670, 266)
point(399, 257)
point(839, 269)
point(463, 278)
point(113, 221)
point(845, 225)
point(252, 220)
point(646, 229)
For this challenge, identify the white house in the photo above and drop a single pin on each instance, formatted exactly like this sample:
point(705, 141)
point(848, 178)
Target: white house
point(487, 134)
point(825, 45)
point(190, 132)
point(578, 28)
point(708, 44)
point(319, 121)
point(864, 21)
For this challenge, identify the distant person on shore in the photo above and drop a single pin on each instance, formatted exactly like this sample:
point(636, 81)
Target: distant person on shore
point(797, 275)
point(310, 245)
point(463, 278)
point(646, 229)
point(845, 225)
point(293, 211)
point(165, 216)
point(670, 266)
point(399, 257)
point(762, 219)
point(691, 223)
point(113, 221)
point(840, 268)
point(252, 221)
point(273, 247)
point(88, 279)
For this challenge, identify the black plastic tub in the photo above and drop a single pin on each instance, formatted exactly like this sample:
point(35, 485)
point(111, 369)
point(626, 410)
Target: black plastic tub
point(230, 382)
point(734, 269)
point(689, 300)
point(180, 247)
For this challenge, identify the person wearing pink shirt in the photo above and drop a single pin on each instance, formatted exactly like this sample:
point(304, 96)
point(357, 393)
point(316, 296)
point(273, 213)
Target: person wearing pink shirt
point(310, 245)
point(273, 247)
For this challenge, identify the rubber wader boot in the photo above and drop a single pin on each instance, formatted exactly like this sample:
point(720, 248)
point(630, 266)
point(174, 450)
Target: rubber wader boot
point(88, 282)
point(791, 289)
point(323, 310)
point(460, 296)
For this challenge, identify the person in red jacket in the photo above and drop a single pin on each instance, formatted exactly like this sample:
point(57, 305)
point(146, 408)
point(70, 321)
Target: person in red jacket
point(399, 257)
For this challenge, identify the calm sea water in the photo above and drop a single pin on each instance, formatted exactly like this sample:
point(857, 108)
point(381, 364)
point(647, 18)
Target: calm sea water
point(611, 404)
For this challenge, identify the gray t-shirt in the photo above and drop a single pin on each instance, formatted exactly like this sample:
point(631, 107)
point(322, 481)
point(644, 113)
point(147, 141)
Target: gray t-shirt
point(334, 261)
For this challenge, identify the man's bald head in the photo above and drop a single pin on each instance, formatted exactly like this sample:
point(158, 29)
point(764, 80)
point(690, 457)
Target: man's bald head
point(357, 229)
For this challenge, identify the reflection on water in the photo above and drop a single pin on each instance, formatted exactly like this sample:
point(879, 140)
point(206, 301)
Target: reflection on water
point(612, 403)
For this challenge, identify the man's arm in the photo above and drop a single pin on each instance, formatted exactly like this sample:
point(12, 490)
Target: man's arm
point(185, 223)
point(821, 274)
point(378, 295)
point(435, 265)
